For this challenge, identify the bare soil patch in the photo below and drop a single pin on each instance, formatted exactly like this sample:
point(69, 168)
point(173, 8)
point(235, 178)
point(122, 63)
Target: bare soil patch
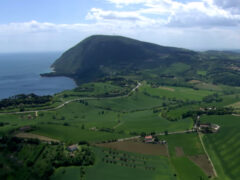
point(203, 162)
point(137, 147)
point(167, 88)
point(179, 151)
point(235, 105)
point(194, 81)
point(35, 136)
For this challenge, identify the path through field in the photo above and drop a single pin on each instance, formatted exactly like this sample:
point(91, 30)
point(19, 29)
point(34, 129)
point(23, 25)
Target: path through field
point(204, 148)
point(35, 136)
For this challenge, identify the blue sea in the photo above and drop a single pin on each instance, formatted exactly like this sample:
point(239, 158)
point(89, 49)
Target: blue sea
point(20, 73)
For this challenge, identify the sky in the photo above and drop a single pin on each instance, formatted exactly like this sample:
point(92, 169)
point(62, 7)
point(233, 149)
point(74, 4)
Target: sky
point(57, 25)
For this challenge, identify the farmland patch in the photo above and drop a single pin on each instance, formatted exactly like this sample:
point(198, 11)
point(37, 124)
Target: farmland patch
point(203, 162)
point(118, 165)
point(167, 88)
point(179, 151)
point(137, 147)
point(35, 136)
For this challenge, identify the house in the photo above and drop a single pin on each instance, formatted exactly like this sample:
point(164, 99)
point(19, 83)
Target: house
point(163, 142)
point(205, 125)
point(208, 127)
point(148, 139)
point(215, 127)
point(72, 148)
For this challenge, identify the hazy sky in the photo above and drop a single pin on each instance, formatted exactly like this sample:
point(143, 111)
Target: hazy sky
point(56, 25)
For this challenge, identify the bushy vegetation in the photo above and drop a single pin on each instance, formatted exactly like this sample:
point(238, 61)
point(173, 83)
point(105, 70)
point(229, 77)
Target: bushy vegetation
point(23, 100)
point(31, 159)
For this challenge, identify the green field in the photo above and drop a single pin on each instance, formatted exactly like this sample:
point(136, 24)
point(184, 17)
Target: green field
point(108, 166)
point(147, 121)
point(122, 124)
point(223, 146)
point(107, 171)
point(181, 148)
point(74, 134)
point(148, 110)
point(202, 73)
point(189, 142)
point(181, 93)
point(65, 173)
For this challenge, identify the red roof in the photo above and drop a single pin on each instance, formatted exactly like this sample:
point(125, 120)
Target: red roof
point(148, 137)
point(72, 147)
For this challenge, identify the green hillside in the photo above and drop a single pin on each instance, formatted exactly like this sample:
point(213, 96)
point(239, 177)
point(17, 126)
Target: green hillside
point(103, 56)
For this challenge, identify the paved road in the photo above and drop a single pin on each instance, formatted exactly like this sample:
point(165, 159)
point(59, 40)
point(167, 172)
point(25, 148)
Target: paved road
point(73, 100)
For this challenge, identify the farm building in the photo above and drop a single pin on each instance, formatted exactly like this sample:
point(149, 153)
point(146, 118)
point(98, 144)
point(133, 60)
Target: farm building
point(148, 139)
point(208, 127)
point(215, 127)
point(163, 142)
point(72, 148)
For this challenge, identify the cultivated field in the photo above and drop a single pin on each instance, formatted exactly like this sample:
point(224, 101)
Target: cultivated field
point(150, 109)
point(223, 147)
point(137, 147)
point(122, 165)
point(35, 136)
point(185, 151)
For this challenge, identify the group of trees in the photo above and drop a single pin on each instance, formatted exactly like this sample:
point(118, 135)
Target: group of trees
point(121, 86)
point(22, 99)
point(83, 157)
point(210, 111)
point(41, 163)
point(126, 160)
point(212, 98)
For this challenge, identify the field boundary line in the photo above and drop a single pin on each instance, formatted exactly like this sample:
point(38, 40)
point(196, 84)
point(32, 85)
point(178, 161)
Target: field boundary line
point(157, 134)
point(119, 124)
point(205, 150)
point(35, 136)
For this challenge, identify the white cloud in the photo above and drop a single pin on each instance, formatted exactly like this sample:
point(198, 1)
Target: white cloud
point(201, 13)
point(201, 24)
point(37, 36)
point(99, 14)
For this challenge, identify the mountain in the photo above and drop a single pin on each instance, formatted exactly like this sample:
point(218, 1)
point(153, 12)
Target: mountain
point(100, 56)
point(99, 52)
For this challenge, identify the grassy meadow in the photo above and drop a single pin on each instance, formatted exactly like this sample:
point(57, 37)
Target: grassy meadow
point(133, 166)
point(223, 147)
point(147, 110)
point(182, 148)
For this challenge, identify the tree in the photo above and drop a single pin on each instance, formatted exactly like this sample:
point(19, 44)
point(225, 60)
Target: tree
point(156, 139)
point(166, 132)
point(143, 134)
point(153, 133)
point(66, 124)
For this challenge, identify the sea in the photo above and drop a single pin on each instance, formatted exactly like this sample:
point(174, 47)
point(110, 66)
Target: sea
point(20, 74)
